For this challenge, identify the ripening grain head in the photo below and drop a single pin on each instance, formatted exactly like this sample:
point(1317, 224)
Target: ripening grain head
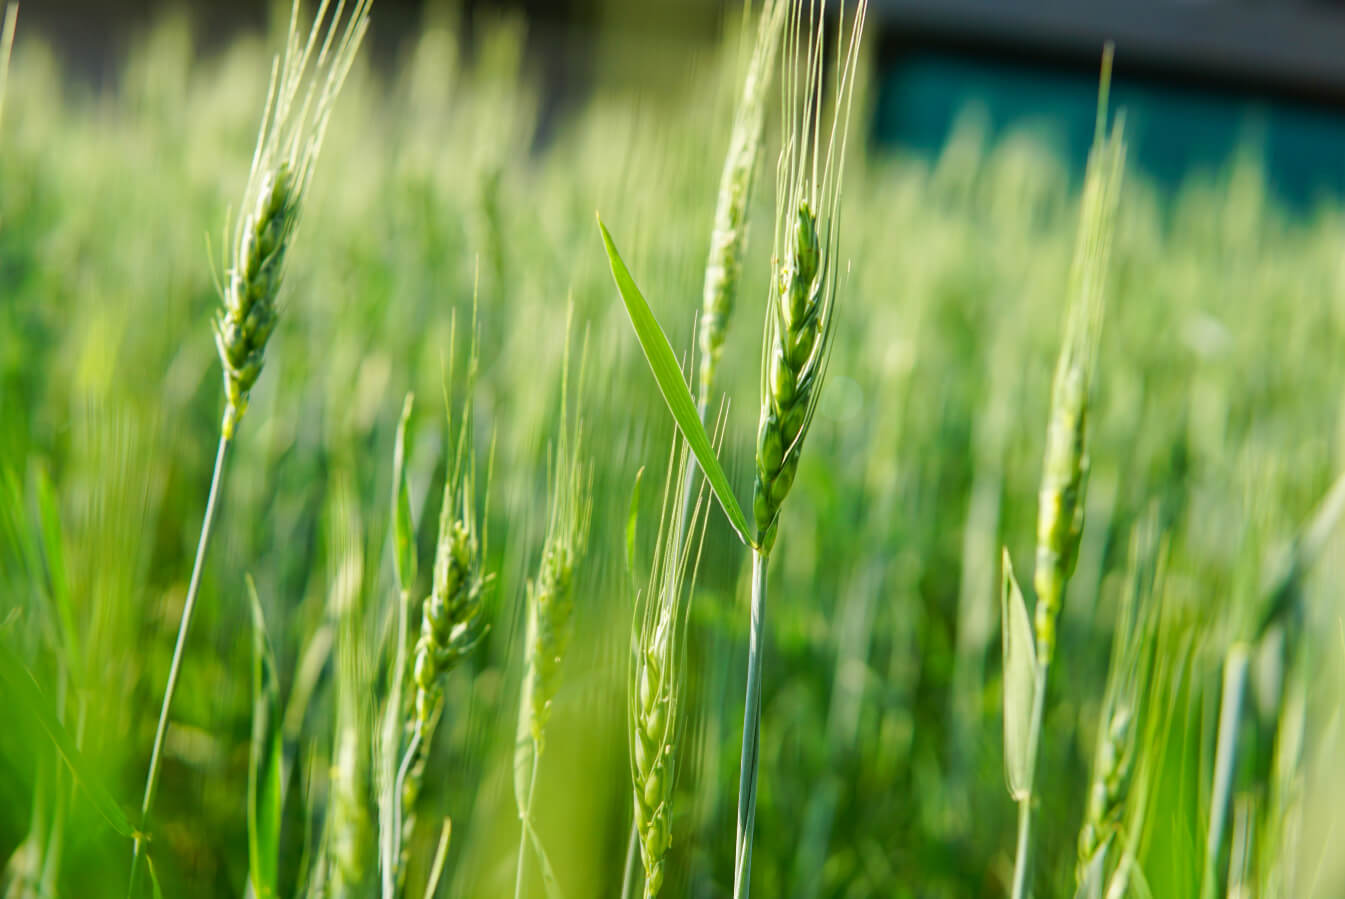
point(799, 322)
point(305, 82)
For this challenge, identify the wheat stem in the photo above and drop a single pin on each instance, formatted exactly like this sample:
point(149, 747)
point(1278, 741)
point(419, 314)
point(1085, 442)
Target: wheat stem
point(188, 607)
point(1023, 856)
point(747, 776)
point(632, 853)
point(1236, 666)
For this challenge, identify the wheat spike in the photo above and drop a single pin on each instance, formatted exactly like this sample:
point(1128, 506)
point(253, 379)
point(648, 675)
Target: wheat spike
point(728, 240)
point(657, 661)
point(305, 82)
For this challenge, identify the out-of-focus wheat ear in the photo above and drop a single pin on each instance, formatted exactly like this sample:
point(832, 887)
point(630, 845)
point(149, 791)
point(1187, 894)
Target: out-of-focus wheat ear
point(550, 604)
point(656, 667)
point(1123, 705)
point(451, 622)
point(1064, 477)
point(728, 240)
point(350, 832)
point(6, 49)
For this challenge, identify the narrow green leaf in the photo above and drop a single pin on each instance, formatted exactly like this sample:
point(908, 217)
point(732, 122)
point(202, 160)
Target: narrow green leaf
point(663, 363)
point(54, 554)
point(403, 529)
point(1020, 665)
point(440, 857)
point(632, 516)
point(265, 761)
point(21, 690)
point(1094, 874)
point(549, 880)
point(154, 879)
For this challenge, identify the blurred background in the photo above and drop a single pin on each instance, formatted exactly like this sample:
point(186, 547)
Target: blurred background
point(1197, 78)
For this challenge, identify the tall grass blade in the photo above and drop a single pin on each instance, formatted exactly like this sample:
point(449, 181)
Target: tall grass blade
point(265, 760)
point(21, 689)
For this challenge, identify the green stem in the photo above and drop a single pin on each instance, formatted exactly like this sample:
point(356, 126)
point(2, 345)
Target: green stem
point(188, 607)
point(525, 818)
point(747, 776)
point(1022, 862)
point(628, 872)
point(393, 843)
point(1230, 710)
point(522, 848)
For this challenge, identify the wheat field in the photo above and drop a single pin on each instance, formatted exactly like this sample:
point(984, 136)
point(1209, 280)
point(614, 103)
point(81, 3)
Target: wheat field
point(1189, 741)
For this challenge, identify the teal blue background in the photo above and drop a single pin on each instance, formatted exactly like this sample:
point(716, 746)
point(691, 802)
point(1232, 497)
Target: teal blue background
point(1172, 130)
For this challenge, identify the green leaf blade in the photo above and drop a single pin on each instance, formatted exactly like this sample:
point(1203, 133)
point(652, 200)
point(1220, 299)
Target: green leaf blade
point(403, 529)
point(663, 363)
point(18, 685)
point(1020, 667)
point(265, 762)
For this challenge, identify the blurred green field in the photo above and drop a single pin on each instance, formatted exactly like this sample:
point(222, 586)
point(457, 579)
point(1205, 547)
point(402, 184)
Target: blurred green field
point(1218, 417)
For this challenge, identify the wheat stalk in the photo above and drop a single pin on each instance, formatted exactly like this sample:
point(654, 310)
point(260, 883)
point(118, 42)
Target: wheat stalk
point(1065, 463)
point(799, 327)
point(289, 142)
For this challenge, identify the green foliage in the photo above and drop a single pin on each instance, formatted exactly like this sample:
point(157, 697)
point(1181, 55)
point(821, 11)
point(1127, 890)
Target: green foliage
point(882, 771)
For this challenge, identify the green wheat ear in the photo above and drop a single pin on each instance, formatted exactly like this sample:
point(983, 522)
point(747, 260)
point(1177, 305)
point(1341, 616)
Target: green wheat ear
point(799, 318)
point(550, 610)
point(305, 82)
point(658, 657)
point(249, 315)
point(728, 241)
point(1064, 478)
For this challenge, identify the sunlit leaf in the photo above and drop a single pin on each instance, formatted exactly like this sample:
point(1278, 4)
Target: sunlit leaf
point(663, 362)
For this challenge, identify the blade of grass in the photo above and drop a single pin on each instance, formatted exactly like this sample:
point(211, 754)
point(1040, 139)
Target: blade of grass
point(632, 516)
point(663, 363)
point(21, 688)
point(265, 760)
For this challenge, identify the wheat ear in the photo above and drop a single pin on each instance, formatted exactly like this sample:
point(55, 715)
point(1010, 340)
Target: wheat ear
point(550, 614)
point(289, 140)
point(658, 657)
point(728, 240)
point(451, 624)
point(1128, 681)
point(799, 326)
point(1064, 476)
